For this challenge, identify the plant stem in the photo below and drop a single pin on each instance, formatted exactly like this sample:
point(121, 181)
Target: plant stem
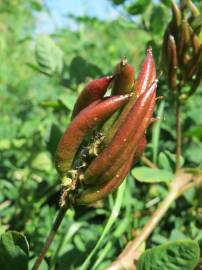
point(51, 236)
point(148, 162)
point(126, 259)
point(178, 134)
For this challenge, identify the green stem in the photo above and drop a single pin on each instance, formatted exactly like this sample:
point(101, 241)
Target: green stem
point(178, 134)
point(110, 222)
point(126, 259)
point(50, 237)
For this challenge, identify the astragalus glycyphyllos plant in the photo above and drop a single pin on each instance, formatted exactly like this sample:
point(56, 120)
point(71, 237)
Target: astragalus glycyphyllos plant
point(106, 136)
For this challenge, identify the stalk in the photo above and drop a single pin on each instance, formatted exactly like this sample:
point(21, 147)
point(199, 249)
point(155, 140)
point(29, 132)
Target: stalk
point(51, 236)
point(178, 134)
point(130, 254)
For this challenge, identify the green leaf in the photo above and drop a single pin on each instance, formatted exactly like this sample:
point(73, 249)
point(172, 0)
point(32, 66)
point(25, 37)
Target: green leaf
point(138, 7)
point(156, 131)
point(149, 175)
point(49, 56)
point(158, 19)
point(118, 2)
point(80, 69)
point(13, 251)
point(173, 157)
point(176, 255)
point(68, 100)
point(164, 162)
point(42, 162)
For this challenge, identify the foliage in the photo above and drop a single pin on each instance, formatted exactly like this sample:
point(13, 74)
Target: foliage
point(35, 110)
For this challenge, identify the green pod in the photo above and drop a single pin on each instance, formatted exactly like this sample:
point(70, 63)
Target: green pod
point(124, 78)
point(81, 125)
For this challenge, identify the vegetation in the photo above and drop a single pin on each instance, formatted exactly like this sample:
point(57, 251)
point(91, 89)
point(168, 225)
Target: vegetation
point(41, 77)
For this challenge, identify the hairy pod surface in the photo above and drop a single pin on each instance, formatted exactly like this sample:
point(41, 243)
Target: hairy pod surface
point(124, 78)
point(132, 129)
point(87, 119)
point(93, 91)
point(99, 192)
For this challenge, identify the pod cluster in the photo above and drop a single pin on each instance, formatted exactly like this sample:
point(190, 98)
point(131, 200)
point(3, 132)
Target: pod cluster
point(182, 50)
point(107, 133)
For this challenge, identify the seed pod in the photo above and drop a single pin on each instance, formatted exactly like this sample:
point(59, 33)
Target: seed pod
point(131, 148)
point(196, 44)
point(124, 78)
point(172, 66)
point(147, 74)
point(184, 4)
point(196, 81)
point(192, 66)
point(123, 84)
point(140, 149)
point(145, 78)
point(80, 126)
point(96, 193)
point(165, 58)
point(94, 90)
point(194, 10)
point(184, 40)
point(176, 20)
point(136, 122)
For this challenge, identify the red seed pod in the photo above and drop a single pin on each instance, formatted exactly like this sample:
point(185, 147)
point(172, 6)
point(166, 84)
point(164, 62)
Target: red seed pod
point(140, 149)
point(172, 65)
point(146, 77)
point(131, 130)
point(124, 78)
point(147, 74)
point(94, 90)
point(96, 193)
point(80, 126)
point(131, 148)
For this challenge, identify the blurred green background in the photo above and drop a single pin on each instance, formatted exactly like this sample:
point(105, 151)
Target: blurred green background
point(48, 51)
